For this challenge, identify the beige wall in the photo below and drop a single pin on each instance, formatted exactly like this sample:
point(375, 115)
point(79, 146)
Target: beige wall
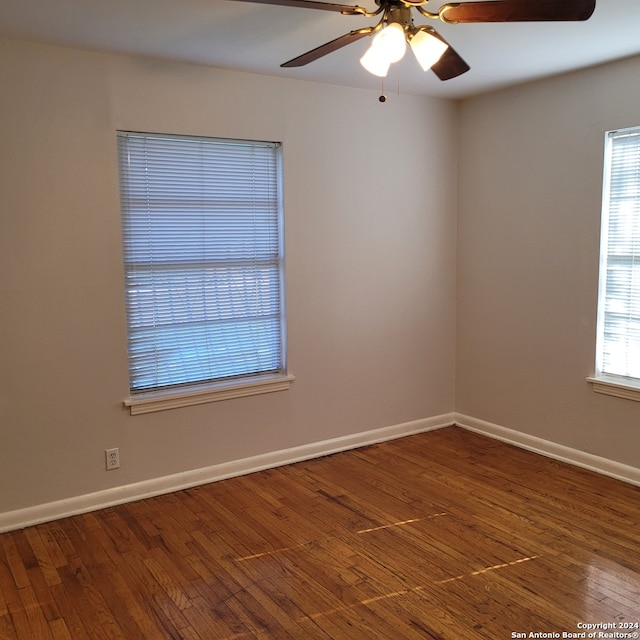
point(528, 244)
point(370, 198)
point(373, 194)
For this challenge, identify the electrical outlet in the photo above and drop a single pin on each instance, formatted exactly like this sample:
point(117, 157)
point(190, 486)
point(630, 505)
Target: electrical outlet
point(112, 458)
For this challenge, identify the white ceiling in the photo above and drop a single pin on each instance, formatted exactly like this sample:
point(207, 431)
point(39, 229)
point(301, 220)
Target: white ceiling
point(258, 38)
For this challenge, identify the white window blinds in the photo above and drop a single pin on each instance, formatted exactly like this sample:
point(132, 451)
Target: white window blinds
point(619, 300)
point(203, 259)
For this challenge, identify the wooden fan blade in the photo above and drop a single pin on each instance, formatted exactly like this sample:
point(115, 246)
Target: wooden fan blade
point(518, 11)
point(450, 65)
point(329, 47)
point(345, 9)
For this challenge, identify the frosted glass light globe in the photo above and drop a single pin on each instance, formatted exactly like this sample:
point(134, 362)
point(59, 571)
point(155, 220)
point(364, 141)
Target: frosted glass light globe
point(375, 62)
point(391, 40)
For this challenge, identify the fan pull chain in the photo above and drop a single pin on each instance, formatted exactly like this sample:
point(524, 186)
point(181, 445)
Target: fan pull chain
point(382, 97)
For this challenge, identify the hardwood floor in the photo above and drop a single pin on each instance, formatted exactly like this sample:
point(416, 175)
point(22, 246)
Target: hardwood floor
point(445, 535)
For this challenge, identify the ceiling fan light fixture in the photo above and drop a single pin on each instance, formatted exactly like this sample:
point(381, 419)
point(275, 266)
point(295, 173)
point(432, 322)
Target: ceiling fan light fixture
point(427, 48)
point(388, 46)
point(375, 61)
point(391, 41)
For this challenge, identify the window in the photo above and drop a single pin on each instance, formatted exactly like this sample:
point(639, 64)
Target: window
point(203, 254)
point(618, 344)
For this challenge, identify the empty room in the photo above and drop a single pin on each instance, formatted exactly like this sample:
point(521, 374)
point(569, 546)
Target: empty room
point(301, 340)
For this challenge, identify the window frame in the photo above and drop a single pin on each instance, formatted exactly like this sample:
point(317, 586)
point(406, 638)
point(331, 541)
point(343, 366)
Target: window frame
point(187, 393)
point(614, 384)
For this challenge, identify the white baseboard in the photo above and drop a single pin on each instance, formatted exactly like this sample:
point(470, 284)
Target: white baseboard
point(550, 449)
point(28, 516)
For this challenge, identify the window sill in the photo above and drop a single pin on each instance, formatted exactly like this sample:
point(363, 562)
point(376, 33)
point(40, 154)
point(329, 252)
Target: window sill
point(627, 388)
point(160, 401)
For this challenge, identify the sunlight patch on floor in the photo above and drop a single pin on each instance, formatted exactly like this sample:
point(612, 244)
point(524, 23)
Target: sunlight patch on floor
point(263, 554)
point(398, 524)
point(416, 589)
point(270, 553)
point(487, 569)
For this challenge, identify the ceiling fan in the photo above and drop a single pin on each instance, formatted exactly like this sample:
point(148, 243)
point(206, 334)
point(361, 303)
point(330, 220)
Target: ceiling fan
point(396, 28)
